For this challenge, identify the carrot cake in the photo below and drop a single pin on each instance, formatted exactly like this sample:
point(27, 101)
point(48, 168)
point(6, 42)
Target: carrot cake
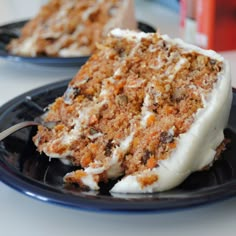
point(72, 28)
point(145, 109)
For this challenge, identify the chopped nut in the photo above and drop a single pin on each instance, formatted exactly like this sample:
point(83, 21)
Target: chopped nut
point(122, 100)
point(166, 137)
point(108, 148)
point(89, 97)
point(120, 51)
point(167, 87)
point(70, 94)
point(93, 131)
point(212, 62)
point(146, 156)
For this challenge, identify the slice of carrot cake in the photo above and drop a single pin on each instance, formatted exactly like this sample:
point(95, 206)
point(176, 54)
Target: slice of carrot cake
point(72, 28)
point(145, 108)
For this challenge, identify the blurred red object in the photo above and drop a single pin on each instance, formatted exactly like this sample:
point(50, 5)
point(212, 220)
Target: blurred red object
point(215, 23)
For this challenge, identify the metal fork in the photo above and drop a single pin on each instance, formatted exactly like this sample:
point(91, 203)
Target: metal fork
point(17, 127)
point(25, 124)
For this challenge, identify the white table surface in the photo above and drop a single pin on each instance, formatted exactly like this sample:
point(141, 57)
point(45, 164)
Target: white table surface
point(21, 215)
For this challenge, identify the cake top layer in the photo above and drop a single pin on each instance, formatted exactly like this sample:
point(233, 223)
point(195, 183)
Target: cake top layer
point(127, 109)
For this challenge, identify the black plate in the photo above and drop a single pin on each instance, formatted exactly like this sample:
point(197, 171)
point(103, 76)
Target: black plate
point(12, 30)
point(24, 169)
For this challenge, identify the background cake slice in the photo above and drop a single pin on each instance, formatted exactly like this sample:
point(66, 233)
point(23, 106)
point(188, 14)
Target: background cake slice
point(145, 108)
point(72, 28)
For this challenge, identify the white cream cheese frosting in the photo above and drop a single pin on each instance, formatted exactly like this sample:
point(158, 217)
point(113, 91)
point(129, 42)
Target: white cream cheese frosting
point(195, 148)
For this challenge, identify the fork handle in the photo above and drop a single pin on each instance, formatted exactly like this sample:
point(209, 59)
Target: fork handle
point(16, 127)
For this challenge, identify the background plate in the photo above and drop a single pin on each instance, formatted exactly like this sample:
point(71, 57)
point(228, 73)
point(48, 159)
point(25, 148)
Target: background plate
point(24, 169)
point(12, 30)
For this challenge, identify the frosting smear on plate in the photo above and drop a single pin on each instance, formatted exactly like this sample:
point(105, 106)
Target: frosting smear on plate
point(145, 109)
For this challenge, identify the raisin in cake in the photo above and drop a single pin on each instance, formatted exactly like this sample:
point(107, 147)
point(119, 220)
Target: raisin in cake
point(145, 108)
point(71, 28)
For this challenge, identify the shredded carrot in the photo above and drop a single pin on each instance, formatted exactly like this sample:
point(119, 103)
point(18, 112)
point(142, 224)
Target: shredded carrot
point(78, 174)
point(151, 162)
point(147, 180)
point(59, 127)
point(86, 160)
point(150, 120)
point(172, 145)
point(93, 119)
